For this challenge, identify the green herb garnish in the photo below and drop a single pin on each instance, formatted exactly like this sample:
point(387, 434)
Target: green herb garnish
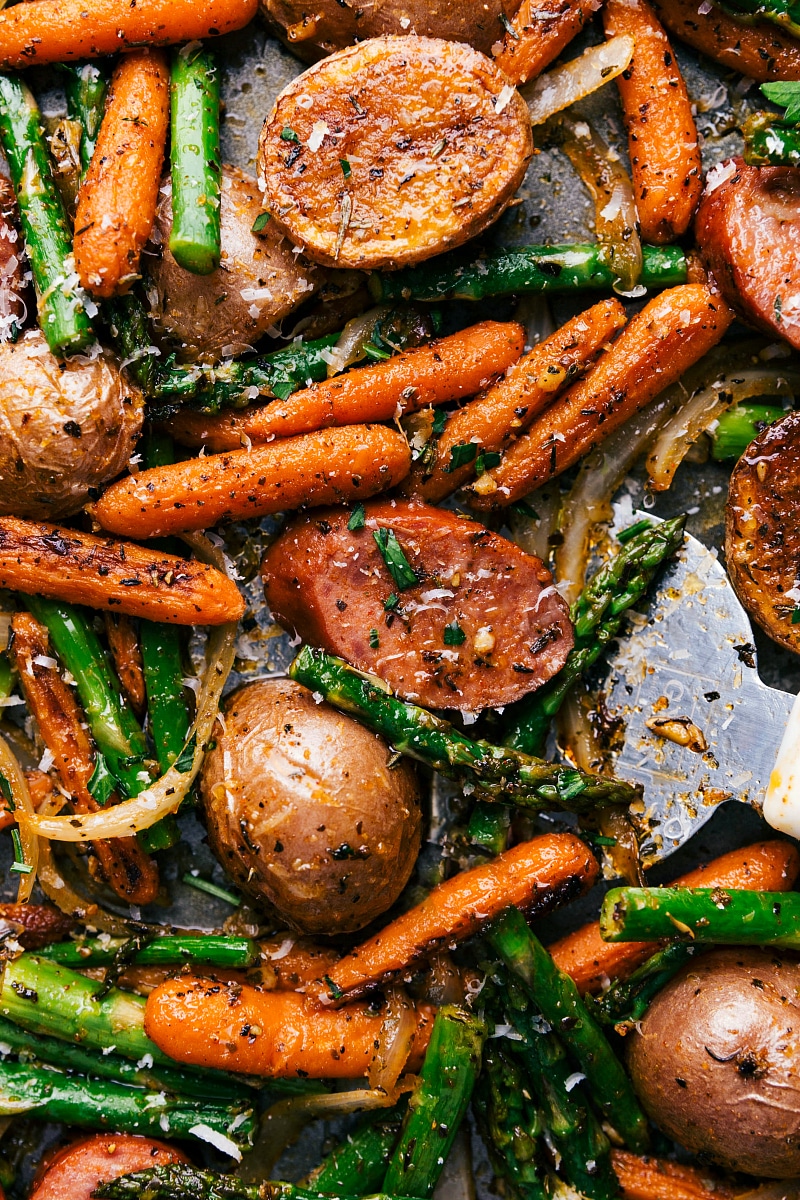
point(289, 135)
point(454, 635)
point(393, 555)
point(102, 783)
point(260, 222)
point(358, 519)
point(374, 640)
point(785, 95)
point(462, 454)
point(485, 461)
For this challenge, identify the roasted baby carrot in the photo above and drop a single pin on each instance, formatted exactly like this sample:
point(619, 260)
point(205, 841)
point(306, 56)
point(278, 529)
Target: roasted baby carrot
point(127, 655)
point(759, 50)
point(120, 577)
point(117, 200)
point(128, 870)
point(534, 876)
point(268, 1033)
point(62, 30)
point(333, 466)
point(662, 136)
point(445, 370)
point(763, 867)
point(538, 34)
point(491, 421)
point(659, 1179)
point(670, 334)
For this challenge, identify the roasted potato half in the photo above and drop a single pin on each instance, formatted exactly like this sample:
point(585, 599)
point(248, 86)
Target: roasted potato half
point(304, 811)
point(329, 25)
point(66, 428)
point(259, 281)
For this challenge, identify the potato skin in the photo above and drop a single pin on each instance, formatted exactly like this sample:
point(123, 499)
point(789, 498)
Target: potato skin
point(433, 159)
point(333, 24)
point(207, 314)
point(304, 813)
point(716, 1063)
point(762, 535)
point(65, 428)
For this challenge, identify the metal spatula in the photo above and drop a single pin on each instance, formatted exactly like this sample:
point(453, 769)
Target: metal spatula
point(691, 663)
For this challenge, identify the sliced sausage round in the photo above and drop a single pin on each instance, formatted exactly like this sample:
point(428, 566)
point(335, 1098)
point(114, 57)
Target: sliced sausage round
point(748, 231)
point(75, 1172)
point(393, 150)
point(478, 624)
point(762, 537)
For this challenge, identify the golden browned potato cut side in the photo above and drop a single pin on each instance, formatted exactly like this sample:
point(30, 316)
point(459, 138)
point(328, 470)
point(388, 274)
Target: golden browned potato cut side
point(392, 151)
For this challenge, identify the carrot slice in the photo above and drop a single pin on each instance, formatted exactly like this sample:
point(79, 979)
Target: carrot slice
point(270, 1033)
point(763, 867)
point(117, 202)
point(448, 369)
point(538, 34)
point(662, 136)
point(658, 1179)
point(760, 50)
point(661, 342)
point(534, 876)
point(130, 873)
point(48, 560)
point(62, 30)
point(330, 467)
point(511, 405)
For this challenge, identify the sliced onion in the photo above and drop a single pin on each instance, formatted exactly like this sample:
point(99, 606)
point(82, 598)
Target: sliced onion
point(609, 184)
point(26, 816)
point(588, 503)
point(444, 983)
point(557, 89)
point(166, 794)
point(356, 334)
point(704, 407)
point(394, 1041)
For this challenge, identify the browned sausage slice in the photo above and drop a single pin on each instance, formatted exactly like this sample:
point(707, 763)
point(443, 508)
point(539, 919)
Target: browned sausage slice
point(78, 1169)
point(393, 150)
point(480, 628)
point(748, 230)
point(762, 539)
point(38, 924)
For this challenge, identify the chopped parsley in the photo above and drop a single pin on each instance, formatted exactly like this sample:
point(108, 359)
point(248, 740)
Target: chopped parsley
point(393, 555)
point(358, 519)
point(347, 170)
point(785, 95)
point(524, 509)
point(183, 762)
point(391, 602)
point(283, 389)
point(289, 135)
point(260, 222)
point(796, 617)
point(439, 422)
point(485, 461)
point(374, 639)
point(462, 454)
point(454, 635)
point(102, 783)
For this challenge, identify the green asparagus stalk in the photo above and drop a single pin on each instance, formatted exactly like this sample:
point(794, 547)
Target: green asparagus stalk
point(721, 916)
point(196, 166)
point(785, 13)
point(597, 615)
point(512, 1128)
point(627, 1000)
point(768, 141)
point(96, 1064)
point(462, 276)
point(215, 950)
point(556, 997)
point(49, 1095)
point(737, 427)
point(438, 1103)
point(490, 827)
point(62, 315)
point(177, 1181)
point(358, 1165)
point(85, 85)
point(495, 772)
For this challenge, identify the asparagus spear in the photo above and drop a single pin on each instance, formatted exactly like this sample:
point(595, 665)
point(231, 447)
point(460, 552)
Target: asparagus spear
point(196, 167)
point(49, 1095)
point(597, 614)
point(495, 772)
point(768, 141)
point(62, 316)
point(85, 85)
point(462, 276)
point(178, 1181)
point(490, 827)
point(556, 997)
point(722, 916)
point(785, 13)
point(512, 1128)
point(438, 1103)
point(216, 950)
point(627, 1000)
point(737, 427)
point(357, 1166)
